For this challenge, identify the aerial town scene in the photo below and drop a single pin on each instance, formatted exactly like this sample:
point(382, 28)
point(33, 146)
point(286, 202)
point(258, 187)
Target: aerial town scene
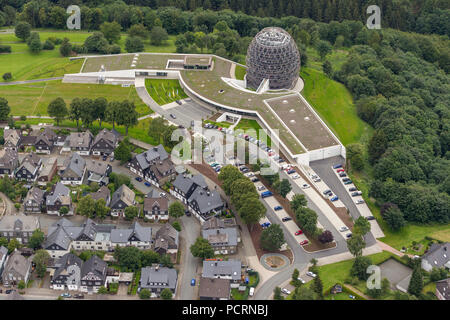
point(224, 150)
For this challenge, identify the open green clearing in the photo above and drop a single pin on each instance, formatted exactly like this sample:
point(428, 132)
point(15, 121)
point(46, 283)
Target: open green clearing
point(33, 99)
point(240, 72)
point(27, 66)
point(164, 91)
point(335, 105)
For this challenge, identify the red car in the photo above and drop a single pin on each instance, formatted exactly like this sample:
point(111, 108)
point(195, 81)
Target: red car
point(304, 242)
point(340, 170)
point(220, 128)
point(299, 232)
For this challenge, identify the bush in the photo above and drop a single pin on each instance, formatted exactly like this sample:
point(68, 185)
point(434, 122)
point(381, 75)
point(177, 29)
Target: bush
point(114, 49)
point(79, 49)
point(144, 294)
point(177, 226)
point(48, 45)
point(7, 76)
point(5, 49)
point(56, 41)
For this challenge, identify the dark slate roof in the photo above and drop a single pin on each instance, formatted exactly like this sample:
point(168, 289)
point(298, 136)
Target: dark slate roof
point(122, 235)
point(35, 194)
point(59, 192)
point(123, 193)
point(217, 236)
point(158, 275)
point(64, 262)
point(94, 265)
point(214, 288)
point(443, 286)
point(206, 200)
point(58, 236)
point(153, 154)
point(75, 163)
point(438, 254)
point(232, 268)
point(107, 135)
point(101, 193)
point(162, 203)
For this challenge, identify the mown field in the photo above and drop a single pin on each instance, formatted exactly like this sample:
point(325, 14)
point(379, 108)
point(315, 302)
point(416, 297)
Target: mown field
point(33, 99)
point(164, 91)
point(49, 63)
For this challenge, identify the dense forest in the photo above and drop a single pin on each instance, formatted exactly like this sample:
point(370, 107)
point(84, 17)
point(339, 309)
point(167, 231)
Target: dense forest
point(399, 80)
point(422, 16)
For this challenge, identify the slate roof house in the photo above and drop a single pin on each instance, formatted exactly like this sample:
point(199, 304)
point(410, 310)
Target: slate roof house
point(123, 197)
point(156, 279)
point(46, 141)
point(73, 170)
point(98, 171)
point(58, 198)
point(194, 192)
point(34, 201)
point(16, 269)
point(438, 256)
point(12, 138)
point(102, 193)
point(66, 273)
point(156, 207)
point(166, 240)
point(9, 161)
point(230, 269)
point(29, 168)
point(153, 165)
point(137, 236)
point(93, 275)
point(3, 259)
point(105, 142)
point(18, 227)
point(47, 172)
point(214, 289)
point(223, 240)
point(79, 142)
point(443, 289)
point(59, 239)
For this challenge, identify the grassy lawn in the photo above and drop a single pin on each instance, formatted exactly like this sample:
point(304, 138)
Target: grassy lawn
point(33, 99)
point(336, 57)
point(240, 72)
point(164, 91)
point(238, 295)
point(335, 105)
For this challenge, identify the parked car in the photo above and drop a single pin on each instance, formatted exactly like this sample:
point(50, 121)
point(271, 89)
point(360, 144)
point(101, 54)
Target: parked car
point(304, 242)
point(192, 123)
point(335, 198)
point(78, 296)
point(286, 219)
point(317, 180)
point(295, 176)
point(104, 157)
point(327, 192)
point(139, 179)
point(290, 171)
point(348, 235)
point(66, 295)
point(340, 170)
point(311, 274)
point(345, 179)
point(9, 291)
point(251, 292)
point(178, 102)
point(148, 184)
point(281, 160)
point(342, 174)
point(370, 218)
point(305, 186)
point(265, 225)
point(348, 182)
point(342, 229)
point(336, 166)
point(173, 116)
point(260, 188)
point(352, 189)
point(266, 194)
point(298, 232)
point(285, 291)
point(356, 193)
point(278, 208)
point(187, 213)
point(301, 280)
point(162, 194)
point(193, 282)
point(255, 179)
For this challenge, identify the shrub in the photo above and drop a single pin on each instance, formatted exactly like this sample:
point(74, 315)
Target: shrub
point(144, 294)
point(7, 76)
point(48, 45)
point(177, 226)
point(5, 49)
point(78, 49)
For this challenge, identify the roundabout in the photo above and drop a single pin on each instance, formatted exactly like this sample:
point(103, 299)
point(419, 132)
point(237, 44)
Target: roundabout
point(274, 261)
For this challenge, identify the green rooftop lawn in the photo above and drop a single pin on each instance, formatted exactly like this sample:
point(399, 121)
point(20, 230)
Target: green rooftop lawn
point(240, 72)
point(33, 99)
point(164, 91)
point(334, 104)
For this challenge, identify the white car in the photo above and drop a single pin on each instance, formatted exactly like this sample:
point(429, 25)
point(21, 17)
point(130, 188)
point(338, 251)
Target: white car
point(311, 274)
point(301, 280)
point(317, 180)
point(342, 229)
point(296, 176)
point(162, 194)
point(305, 186)
point(250, 174)
point(251, 291)
point(260, 188)
point(359, 201)
point(285, 291)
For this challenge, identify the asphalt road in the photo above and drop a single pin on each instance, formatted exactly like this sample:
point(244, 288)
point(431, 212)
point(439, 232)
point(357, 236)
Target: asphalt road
point(324, 169)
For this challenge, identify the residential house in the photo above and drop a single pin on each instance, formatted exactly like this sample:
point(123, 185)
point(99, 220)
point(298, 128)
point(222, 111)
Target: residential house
point(122, 198)
point(79, 142)
point(443, 289)
point(34, 201)
point(27, 141)
point(58, 198)
point(29, 168)
point(166, 240)
point(153, 165)
point(12, 138)
point(18, 227)
point(66, 273)
point(17, 268)
point(3, 259)
point(93, 275)
point(9, 161)
point(223, 240)
point(156, 279)
point(437, 256)
point(102, 193)
point(48, 171)
point(156, 207)
point(214, 289)
point(73, 170)
point(230, 269)
point(184, 185)
point(59, 239)
point(105, 142)
point(137, 236)
point(98, 171)
point(45, 141)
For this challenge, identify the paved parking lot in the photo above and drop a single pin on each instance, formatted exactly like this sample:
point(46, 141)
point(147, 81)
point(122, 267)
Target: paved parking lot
point(186, 112)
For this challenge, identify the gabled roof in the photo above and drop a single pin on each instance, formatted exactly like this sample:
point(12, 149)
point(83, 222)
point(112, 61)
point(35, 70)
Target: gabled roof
point(212, 269)
point(168, 231)
point(60, 237)
point(60, 192)
point(154, 277)
point(443, 286)
point(146, 158)
point(18, 263)
point(80, 139)
point(32, 158)
point(12, 136)
point(64, 262)
point(206, 200)
point(185, 182)
point(75, 163)
point(123, 235)
point(8, 158)
point(438, 254)
point(94, 265)
point(125, 194)
point(3, 252)
point(107, 135)
point(99, 167)
point(102, 193)
point(35, 194)
point(214, 288)
point(162, 203)
point(213, 223)
point(219, 236)
point(24, 223)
